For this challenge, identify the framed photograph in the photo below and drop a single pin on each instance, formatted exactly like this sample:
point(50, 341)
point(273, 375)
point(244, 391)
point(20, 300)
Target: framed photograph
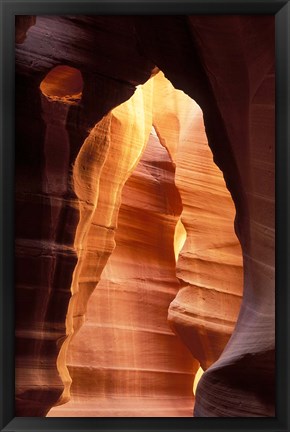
point(144, 216)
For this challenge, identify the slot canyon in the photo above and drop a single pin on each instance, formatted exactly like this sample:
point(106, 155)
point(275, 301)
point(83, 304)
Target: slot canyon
point(145, 216)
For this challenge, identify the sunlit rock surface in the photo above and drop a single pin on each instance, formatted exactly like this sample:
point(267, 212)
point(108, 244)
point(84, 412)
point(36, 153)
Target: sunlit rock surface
point(125, 360)
point(227, 66)
point(102, 166)
point(209, 265)
point(131, 354)
point(50, 131)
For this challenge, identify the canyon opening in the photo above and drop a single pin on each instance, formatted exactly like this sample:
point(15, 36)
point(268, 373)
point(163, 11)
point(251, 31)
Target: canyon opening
point(139, 250)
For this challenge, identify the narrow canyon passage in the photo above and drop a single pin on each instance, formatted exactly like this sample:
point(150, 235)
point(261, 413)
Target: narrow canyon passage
point(77, 143)
point(125, 360)
point(209, 265)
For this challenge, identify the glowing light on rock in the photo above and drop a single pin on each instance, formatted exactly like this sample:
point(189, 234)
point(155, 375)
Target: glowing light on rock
point(179, 238)
point(198, 375)
point(63, 83)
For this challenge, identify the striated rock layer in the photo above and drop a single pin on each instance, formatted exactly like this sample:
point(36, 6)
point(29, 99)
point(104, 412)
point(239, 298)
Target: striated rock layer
point(50, 132)
point(101, 168)
point(125, 360)
point(227, 65)
point(209, 265)
point(131, 355)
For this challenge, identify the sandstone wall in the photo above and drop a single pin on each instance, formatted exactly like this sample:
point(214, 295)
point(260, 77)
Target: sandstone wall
point(227, 66)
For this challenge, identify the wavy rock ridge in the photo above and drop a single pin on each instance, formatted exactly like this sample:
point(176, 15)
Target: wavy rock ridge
point(131, 355)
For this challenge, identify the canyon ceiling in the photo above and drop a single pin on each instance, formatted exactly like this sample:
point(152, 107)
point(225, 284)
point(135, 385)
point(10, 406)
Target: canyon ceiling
point(145, 215)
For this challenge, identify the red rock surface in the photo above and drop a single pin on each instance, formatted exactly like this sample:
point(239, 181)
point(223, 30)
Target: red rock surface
point(227, 66)
point(125, 360)
point(209, 266)
point(131, 355)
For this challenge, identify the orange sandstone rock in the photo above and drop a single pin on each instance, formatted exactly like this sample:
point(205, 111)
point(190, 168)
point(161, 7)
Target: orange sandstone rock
point(209, 265)
point(125, 360)
point(226, 64)
point(125, 350)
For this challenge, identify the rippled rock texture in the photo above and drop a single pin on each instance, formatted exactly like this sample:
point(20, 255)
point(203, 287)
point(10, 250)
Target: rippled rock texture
point(129, 274)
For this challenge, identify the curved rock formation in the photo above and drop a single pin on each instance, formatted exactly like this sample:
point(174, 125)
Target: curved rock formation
point(226, 78)
point(48, 129)
point(131, 355)
point(105, 161)
point(125, 361)
point(209, 266)
point(227, 65)
point(22, 25)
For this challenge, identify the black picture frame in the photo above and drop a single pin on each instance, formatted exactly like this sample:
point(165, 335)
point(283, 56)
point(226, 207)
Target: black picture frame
point(10, 8)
